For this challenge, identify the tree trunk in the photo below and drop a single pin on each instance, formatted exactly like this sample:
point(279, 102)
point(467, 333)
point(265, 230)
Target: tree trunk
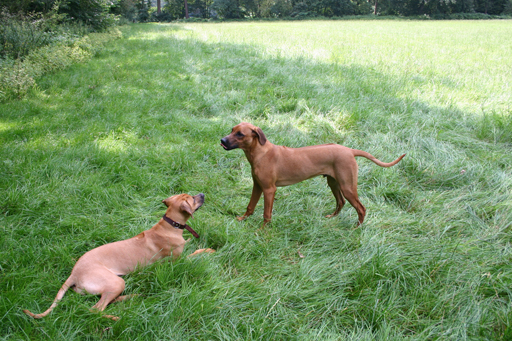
point(158, 7)
point(186, 9)
point(375, 9)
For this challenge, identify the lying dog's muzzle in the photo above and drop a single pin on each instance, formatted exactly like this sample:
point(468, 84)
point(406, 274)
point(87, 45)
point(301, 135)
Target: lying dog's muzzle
point(200, 200)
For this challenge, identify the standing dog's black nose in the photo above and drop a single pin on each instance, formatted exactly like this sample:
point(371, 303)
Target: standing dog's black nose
point(224, 143)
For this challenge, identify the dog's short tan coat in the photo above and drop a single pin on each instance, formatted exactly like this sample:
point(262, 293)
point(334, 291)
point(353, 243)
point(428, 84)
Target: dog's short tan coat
point(274, 166)
point(97, 271)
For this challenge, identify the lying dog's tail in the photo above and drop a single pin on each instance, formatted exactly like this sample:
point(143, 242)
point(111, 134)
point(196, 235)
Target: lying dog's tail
point(67, 284)
point(370, 157)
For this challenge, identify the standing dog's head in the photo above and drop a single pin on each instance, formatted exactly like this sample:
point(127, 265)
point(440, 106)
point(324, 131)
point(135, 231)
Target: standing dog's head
point(243, 136)
point(180, 207)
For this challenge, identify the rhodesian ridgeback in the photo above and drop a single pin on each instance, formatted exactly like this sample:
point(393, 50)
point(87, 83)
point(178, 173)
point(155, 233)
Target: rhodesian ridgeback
point(97, 271)
point(276, 166)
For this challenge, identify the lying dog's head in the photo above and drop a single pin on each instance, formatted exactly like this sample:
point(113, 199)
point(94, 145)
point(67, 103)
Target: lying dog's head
point(180, 207)
point(243, 136)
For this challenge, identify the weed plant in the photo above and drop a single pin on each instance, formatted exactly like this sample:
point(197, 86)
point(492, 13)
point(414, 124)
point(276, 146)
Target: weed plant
point(88, 155)
point(18, 76)
point(20, 34)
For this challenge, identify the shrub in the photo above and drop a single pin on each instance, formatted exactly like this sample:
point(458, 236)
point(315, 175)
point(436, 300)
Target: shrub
point(20, 35)
point(17, 77)
point(93, 13)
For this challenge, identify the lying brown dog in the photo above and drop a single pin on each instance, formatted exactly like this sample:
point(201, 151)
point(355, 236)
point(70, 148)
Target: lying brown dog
point(276, 166)
point(97, 271)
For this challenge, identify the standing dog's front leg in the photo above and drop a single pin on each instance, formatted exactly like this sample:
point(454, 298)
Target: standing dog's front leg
point(255, 197)
point(268, 199)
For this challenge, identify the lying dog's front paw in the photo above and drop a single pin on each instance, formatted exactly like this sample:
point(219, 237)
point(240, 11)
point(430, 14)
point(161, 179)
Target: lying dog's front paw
point(201, 251)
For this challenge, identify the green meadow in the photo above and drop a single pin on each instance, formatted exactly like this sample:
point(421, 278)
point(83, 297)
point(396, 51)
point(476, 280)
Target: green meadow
point(87, 157)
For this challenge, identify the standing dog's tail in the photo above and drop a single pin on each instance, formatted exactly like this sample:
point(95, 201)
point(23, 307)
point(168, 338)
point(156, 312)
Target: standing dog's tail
point(370, 157)
point(67, 284)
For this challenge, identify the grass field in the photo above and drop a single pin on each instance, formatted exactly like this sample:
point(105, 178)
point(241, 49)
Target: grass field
point(88, 155)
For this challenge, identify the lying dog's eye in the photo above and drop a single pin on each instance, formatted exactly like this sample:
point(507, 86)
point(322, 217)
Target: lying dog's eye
point(239, 134)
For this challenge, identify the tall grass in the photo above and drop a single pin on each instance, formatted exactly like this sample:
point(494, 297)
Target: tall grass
point(88, 155)
point(20, 34)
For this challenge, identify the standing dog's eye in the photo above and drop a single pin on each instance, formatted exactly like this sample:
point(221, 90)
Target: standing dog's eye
point(239, 134)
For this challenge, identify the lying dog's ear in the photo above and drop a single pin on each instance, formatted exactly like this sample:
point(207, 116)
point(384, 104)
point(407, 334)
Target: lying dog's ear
point(261, 137)
point(185, 207)
point(166, 202)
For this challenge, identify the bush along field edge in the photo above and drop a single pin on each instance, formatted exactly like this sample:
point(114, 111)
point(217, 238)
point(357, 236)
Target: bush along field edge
point(18, 76)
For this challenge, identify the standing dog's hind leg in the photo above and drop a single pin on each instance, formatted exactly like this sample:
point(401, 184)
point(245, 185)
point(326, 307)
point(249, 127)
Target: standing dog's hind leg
point(351, 195)
point(336, 191)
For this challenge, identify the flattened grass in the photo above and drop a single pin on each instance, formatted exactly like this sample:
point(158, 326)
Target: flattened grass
point(88, 156)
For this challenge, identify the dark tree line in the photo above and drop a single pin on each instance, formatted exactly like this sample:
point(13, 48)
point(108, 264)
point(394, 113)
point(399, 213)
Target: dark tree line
point(96, 12)
point(238, 9)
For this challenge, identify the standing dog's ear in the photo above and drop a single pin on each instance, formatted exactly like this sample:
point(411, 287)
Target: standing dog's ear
point(166, 201)
point(261, 137)
point(185, 207)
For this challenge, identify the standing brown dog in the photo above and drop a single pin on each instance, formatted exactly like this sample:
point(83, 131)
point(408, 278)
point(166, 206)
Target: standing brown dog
point(276, 166)
point(97, 271)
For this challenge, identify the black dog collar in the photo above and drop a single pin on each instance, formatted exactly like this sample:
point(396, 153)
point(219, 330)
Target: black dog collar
point(180, 226)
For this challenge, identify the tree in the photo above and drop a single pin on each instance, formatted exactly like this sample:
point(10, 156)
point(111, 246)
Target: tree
point(228, 9)
point(494, 7)
point(125, 8)
point(281, 8)
point(507, 9)
point(94, 13)
point(143, 10)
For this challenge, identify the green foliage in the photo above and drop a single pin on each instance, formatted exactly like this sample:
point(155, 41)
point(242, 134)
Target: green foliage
point(94, 13)
point(228, 9)
point(143, 7)
point(175, 9)
point(100, 14)
point(281, 8)
point(507, 8)
point(126, 9)
point(492, 7)
point(17, 77)
point(27, 6)
point(200, 8)
point(21, 33)
point(19, 36)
